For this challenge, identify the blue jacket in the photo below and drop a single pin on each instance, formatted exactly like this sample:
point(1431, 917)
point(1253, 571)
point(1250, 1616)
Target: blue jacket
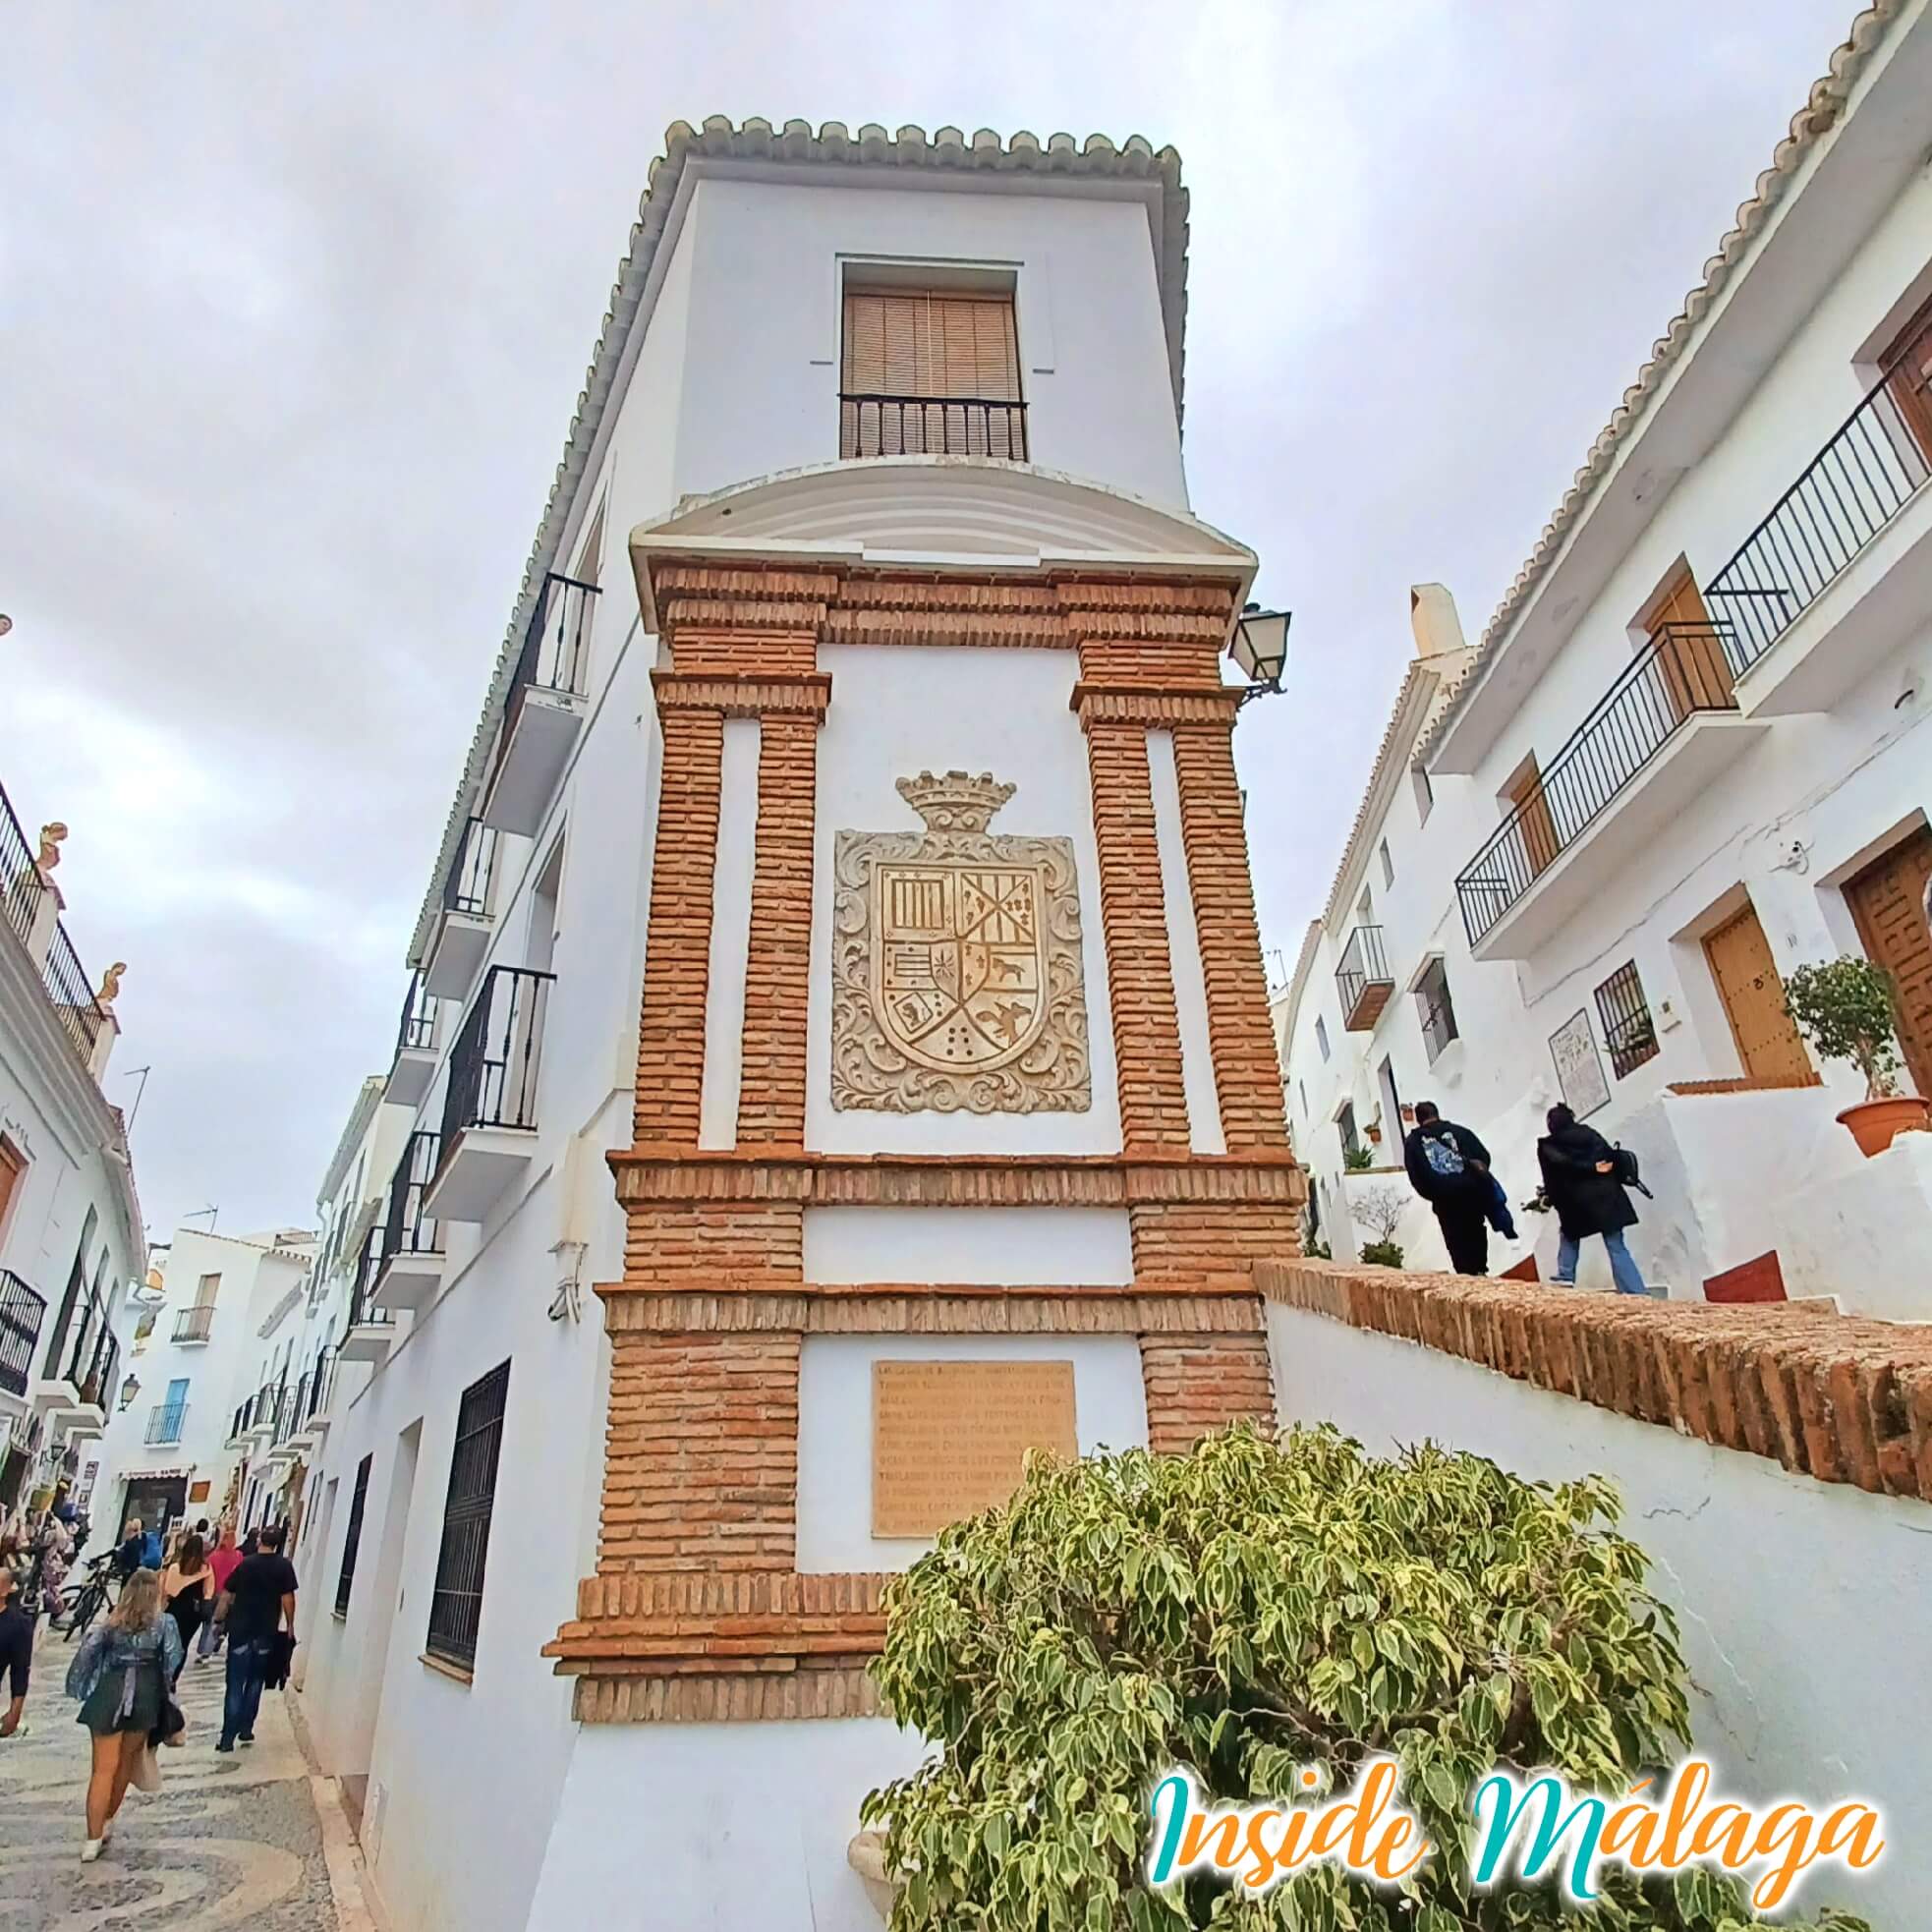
point(150, 1549)
point(106, 1649)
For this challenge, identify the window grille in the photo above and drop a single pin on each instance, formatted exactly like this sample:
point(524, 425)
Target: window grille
point(354, 1540)
point(456, 1606)
point(1628, 1031)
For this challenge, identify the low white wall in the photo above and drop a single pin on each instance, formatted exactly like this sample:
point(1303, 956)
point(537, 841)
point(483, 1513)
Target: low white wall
point(1005, 1247)
point(834, 1426)
point(1803, 1603)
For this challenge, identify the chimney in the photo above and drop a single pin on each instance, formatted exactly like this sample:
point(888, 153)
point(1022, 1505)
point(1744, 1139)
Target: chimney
point(1433, 620)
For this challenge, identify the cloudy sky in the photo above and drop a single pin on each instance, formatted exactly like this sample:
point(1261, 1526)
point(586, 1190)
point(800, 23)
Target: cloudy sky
point(295, 304)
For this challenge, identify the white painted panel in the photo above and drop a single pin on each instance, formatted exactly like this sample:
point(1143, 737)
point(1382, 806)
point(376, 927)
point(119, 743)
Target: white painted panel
point(1197, 1050)
point(834, 1426)
point(1792, 1692)
point(1012, 1247)
point(896, 712)
point(731, 933)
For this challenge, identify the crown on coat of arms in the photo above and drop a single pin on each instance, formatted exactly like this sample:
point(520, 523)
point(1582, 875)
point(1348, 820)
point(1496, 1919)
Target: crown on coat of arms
point(955, 800)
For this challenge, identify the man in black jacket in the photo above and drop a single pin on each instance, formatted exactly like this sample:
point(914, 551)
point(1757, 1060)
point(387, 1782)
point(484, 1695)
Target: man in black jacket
point(1449, 1166)
point(1579, 1181)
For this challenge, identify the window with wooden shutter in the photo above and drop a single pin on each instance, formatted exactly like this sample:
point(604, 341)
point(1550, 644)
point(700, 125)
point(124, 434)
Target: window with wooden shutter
point(928, 373)
point(1907, 365)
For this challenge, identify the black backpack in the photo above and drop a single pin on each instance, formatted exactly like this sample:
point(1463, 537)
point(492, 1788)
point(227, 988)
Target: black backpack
point(1624, 1170)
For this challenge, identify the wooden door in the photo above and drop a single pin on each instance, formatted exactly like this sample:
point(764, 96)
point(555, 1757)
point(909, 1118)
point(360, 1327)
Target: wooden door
point(1690, 660)
point(1888, 902)
point(1539, 832)
point(1753, 998)
point(1909, 376)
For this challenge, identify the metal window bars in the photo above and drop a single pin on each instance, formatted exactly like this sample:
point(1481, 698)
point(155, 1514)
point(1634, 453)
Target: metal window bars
point(556, 654)
point(1628, 1031)
point(353, 1541)
point(21, 1312)
point(1363, 964)
point(873, 425)
point(165, 1422)
point(193, 1324)
point(408, 1227)
point(456, 1603)
point(1682, 672)
point(1862, 477)
point(418, 1032)
point(466, 887)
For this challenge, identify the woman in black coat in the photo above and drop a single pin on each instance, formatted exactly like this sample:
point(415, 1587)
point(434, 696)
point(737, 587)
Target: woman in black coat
point(1579, 1179)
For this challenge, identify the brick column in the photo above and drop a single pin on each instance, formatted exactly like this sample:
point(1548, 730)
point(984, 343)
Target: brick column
point(1196, 1384)
point(1247, 1068)
point(679, 936)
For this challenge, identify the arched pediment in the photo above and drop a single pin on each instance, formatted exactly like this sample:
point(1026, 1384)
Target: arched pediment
point(946, 511)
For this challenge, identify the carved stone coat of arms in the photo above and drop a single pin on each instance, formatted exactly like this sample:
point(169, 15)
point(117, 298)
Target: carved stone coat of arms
point(956, 962)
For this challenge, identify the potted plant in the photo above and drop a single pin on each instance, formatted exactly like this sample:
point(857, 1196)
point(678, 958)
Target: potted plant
point(1357, 1160)
point(1844, 1009)
point(1380, 1209)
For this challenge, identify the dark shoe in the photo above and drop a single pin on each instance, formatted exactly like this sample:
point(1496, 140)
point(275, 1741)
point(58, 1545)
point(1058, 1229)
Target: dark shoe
point(225, 1748)
point(247, 1737)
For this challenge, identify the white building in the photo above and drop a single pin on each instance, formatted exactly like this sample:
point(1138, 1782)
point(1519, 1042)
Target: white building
point(71, 1237)
point(173, 1449)
point(794, 565)
point(1689, 752)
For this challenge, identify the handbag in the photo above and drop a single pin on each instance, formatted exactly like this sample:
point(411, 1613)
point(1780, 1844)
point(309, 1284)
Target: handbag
point(147, 1772)
point(170, 1729)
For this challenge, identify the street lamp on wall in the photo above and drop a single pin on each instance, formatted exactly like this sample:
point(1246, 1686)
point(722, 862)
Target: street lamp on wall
point(1260, 650)
point(130, 1389)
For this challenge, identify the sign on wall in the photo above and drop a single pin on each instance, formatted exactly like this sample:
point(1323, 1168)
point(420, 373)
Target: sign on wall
point(1579, 1067)
point(949, 1438)
point(957, 978)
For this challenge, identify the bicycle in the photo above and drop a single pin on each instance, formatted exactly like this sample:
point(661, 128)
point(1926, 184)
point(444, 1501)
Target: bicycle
point(80, 1603)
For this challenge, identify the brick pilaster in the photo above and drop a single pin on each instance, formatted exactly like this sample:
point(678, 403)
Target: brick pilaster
point(1247, 1068)
point(1196, 1384)
point(678, 935)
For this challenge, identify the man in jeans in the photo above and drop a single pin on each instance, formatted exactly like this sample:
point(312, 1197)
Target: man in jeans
point(259, 1596)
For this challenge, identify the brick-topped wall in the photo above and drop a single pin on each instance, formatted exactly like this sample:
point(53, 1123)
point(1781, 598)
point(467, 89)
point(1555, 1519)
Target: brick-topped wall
point(1839, 1397)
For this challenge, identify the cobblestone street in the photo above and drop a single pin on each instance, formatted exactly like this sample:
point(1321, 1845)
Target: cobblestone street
point(228, 1841)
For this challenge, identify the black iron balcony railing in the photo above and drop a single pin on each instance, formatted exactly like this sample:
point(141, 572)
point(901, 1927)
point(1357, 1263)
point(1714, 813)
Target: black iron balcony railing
point(165, 1422)
point(363, 1314)
point(295, 1409)
point(1682, 672)
point(931, 426)
point(1849, 491)
point(319, 1380)
point(244, 1419)
point(193, 1324)
point(418, 1032)
point(268, 1402)
point(91, 1354)
point(493, 1066)
point(24, 912)
point(22, 1311)
point(555, 653)
point(467, 888)
point(1363, 979)
point(407, 1229)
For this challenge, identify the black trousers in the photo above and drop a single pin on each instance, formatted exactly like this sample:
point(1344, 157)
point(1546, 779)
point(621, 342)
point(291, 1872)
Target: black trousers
point(1465, 1233)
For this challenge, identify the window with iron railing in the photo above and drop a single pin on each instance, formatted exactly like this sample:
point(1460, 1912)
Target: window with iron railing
point(22, 1311)
point(195, 1324)
point(352, 1543)
point(494, 1062)
point(930, 372)
point(466, 890)
point(418, 1032)
point(1628, 1032)
point(1435, 1010)
point(408, 1227)
point(456, 1603)
point(166, 1421)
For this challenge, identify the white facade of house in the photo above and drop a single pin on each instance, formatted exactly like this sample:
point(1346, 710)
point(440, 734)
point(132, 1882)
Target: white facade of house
point(71, 1240)
point(195, 1352)
point(487, 1806)
point(1808, 761)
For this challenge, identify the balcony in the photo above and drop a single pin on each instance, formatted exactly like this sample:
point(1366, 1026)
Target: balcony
point(74, 1389)
point(371, 1330)
point(165, 1422)
point(489, 1106)
point(1663, 732)
point(312, 1424)
point(1839, 574)
point(260, 1431)
point(1363, 980)
point(21, 1312)
point(460, 936)
point(240, 1425)
point(546, 708)
point(870, 425)
point(193, 1325)
point(411, 1268)
point(29, 909)
point(415, 1063)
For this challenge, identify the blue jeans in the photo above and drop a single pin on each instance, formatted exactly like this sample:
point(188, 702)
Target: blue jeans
point(1623, 1265)
point(247, 1666)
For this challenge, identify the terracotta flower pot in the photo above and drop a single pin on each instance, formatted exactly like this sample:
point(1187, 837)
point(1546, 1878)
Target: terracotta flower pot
point(1875, 1123)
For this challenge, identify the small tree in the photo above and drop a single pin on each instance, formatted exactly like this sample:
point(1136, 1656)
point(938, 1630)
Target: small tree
point(1844, 1009)
point(1380, 1209)
point(1259, 1605)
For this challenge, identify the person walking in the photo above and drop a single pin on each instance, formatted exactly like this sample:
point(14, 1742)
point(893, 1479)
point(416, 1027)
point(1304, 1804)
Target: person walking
point(259, 1597)
point(222, 1561)
point(16, 1649)
point(120, 1678)
point(188, 1590)
point(1449, 1166)
point(1580, 1181)
point(127, 1555)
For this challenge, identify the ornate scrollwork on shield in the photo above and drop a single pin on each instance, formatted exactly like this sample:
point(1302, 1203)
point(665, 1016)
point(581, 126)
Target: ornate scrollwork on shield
point(956, 962)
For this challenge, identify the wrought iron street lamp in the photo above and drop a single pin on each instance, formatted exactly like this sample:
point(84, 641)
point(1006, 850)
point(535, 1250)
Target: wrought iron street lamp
point(130, 1389)
point(1260, 650)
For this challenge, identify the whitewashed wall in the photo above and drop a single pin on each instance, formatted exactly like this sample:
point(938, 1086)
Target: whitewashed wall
point(1800, 1602)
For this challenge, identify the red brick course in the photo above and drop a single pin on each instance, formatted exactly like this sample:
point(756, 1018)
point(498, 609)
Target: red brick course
point(1196, 1384)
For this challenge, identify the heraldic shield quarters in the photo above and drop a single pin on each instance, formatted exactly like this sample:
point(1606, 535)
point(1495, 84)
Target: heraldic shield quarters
point(956, 962)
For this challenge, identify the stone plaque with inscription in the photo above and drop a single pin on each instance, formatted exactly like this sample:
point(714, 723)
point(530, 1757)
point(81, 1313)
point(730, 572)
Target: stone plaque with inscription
point(949, 1438)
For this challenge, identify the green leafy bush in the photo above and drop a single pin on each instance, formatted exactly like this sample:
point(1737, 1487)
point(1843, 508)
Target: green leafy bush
point(1383, 1254)
point(1844, 1009)
point(1245, 1610)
